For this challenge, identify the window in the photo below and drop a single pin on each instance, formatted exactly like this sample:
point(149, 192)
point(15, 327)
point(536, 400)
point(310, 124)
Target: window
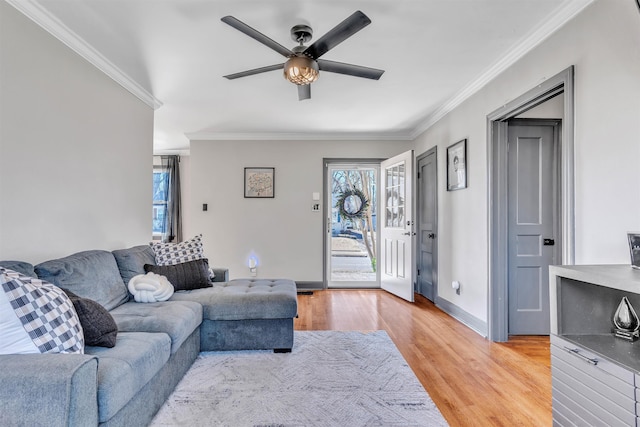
point(166, 199)
point(160, 200)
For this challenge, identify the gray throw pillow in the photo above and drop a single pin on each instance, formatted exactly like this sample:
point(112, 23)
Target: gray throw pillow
point(185, 276)
point(99, 327)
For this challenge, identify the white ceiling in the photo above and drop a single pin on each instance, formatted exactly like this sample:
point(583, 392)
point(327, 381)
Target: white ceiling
point(173, 54)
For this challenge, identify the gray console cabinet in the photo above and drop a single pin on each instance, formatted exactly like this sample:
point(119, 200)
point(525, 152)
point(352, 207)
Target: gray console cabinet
point(594, 375)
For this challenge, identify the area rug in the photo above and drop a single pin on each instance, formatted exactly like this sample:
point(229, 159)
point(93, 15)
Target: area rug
point(329, 379)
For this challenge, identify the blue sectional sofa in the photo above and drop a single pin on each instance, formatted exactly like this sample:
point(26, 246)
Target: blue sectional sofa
point(156, 342)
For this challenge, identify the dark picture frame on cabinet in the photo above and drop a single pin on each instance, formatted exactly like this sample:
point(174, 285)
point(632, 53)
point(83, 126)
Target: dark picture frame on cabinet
point(634, 249)
point(457, 166)
point(259, 183)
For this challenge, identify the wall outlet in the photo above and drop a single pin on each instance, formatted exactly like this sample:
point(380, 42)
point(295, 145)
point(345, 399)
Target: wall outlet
point(315, 207)
point(456, 285)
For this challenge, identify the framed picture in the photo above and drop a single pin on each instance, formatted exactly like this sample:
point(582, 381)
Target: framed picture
point(634, 249)
point(259, 182)
point(457, 166)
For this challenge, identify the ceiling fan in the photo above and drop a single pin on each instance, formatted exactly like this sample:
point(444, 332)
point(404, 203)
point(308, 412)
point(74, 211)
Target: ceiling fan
point(303, 64)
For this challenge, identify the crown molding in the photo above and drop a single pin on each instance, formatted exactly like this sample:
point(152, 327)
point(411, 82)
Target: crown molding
point(316, 136)
point(34, 11)
point(557, 20)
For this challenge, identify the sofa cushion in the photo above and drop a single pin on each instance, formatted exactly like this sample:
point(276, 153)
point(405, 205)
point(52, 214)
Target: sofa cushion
point(89, 274)
point(184, 276)
point(178, 319)
point(242, 299)
point(176, 253)
point(36, 317)
point(19, 267)
point(98, 325)
point(124, 369)
point(131, 261)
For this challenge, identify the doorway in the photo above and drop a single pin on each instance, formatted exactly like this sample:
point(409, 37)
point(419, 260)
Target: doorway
point(497, 140)
point(369, 228)
point(351, 242)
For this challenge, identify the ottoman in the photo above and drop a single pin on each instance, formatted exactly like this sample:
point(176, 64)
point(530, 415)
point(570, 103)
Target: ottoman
point(246, 314)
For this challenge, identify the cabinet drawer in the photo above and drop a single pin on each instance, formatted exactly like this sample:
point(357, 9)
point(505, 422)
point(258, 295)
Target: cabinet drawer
point(590, 390)
point(587, 404)
point(582, 357)
point(621, 394)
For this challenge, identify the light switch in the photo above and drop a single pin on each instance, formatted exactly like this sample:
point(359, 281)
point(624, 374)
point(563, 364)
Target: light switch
point(315, 196)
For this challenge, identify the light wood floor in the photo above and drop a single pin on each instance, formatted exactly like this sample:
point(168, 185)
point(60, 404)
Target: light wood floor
point(473, 381)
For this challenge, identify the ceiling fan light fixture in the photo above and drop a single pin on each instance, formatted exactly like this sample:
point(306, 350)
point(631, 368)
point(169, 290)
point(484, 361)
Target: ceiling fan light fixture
point(301, 70)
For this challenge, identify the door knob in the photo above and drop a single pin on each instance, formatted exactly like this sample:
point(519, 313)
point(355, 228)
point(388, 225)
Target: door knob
point(431, 235)
point(408, 233)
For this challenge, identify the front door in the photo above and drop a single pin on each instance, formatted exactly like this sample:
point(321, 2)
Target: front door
point(533, 240)
point(396, 226)
point(427, 225)
point(351, 239)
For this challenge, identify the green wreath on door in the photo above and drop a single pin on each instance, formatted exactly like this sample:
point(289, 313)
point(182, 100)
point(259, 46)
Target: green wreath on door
point(352, 204)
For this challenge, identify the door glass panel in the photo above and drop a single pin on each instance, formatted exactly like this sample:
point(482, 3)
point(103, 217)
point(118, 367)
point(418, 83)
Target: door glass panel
point(353, 243)
point(394, 197)
point(389, 206)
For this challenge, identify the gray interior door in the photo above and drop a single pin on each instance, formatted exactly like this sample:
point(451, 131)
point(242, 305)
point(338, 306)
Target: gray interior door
point(532, 229)
point(427, 225)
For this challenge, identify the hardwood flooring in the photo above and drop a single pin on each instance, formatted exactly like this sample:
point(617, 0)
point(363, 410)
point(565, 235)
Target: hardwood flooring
point(473, 381)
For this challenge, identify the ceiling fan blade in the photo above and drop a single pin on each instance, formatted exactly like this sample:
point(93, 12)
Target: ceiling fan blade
point(304, 92)
point(349, 69)
point(338, 34)
point(257, 35)
point(254, 71)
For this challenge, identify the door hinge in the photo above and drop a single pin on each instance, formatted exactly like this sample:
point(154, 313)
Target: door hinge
point(418, 175)
point(418, 272)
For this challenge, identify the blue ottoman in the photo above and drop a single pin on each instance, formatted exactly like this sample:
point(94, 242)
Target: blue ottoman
point(246, 314)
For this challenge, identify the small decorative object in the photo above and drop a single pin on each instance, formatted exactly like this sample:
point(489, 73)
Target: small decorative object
point(259, 182)
point(352, 204)
point(634, 249)
point(457, 166)
point(626, 321)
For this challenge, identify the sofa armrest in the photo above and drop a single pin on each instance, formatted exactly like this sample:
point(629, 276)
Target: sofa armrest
point(222, 274)
point(48, 389)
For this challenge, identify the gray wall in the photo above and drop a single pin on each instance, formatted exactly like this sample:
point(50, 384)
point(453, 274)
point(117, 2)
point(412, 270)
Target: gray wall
point(603, 43)
point(75, 150)
point(283, 232)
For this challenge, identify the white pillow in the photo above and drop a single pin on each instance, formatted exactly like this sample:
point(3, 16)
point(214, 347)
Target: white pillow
point(150, 287)
point(36, 317)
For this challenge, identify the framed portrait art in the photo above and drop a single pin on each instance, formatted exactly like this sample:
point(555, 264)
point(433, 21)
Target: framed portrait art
point(259, 182)
point(634, 249)
point(457, 166)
